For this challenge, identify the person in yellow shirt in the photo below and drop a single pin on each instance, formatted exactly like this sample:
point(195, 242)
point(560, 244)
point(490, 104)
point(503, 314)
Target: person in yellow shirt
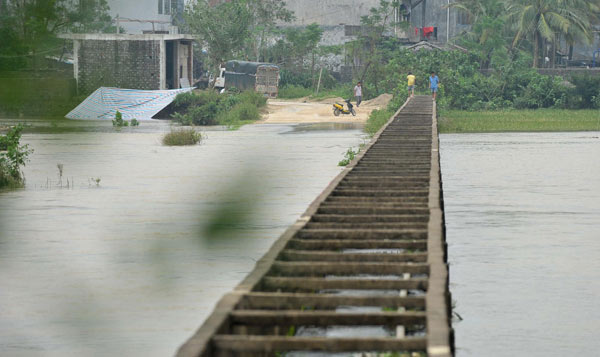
point(411, 83)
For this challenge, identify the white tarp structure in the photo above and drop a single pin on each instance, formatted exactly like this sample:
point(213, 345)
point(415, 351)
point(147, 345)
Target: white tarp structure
point(132, 103)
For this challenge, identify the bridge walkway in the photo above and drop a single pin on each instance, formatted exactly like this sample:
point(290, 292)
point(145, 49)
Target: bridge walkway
point(363, 270)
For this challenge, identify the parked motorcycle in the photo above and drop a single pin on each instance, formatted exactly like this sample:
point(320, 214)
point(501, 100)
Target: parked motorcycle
point(339, 109)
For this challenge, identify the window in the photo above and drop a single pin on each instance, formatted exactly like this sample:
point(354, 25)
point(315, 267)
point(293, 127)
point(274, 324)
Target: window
point(167, 7)
point(160, 6)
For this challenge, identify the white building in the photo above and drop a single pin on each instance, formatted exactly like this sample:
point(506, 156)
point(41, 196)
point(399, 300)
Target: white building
point(139, 16)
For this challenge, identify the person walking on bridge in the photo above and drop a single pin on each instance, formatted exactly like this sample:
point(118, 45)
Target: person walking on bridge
point(411, 83)
point(434, 82)
point(358, 93)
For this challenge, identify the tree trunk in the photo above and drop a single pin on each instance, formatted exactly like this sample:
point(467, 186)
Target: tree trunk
point(536, 49)
point(570, 52)
point(553, 56)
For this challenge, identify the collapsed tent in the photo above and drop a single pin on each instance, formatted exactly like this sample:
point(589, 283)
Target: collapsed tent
point(132, 103)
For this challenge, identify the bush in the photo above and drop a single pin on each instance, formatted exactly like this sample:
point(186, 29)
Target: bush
point(211, 108)
point(180, 137)
point(587, 89)
point(254, 98)
point(12, 157)
point(242, 112)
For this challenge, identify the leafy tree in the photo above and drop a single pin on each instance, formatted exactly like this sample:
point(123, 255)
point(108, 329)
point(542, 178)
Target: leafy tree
point(371, 50)
point(29, 27)
point(487, 36)
point(543, 19)
point(222, 29)
point(264, 17)
point(237, 28)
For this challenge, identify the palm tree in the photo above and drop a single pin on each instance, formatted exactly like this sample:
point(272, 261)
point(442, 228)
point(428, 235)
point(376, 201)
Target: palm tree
point(544, 19)
point(487, 33)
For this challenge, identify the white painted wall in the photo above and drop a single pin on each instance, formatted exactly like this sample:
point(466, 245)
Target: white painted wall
point(141, 10)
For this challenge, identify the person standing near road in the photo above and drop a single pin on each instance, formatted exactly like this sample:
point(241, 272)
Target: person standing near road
point(411, 83)
point(434, 82)
point(358, 93)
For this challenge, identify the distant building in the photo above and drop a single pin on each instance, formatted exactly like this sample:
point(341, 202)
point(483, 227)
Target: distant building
point(139, 16)
point(142, 61)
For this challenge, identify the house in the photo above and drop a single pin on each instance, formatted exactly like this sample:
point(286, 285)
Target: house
point(138, 61)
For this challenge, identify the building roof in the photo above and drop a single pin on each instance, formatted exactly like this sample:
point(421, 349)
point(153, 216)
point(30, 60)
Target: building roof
point(424, 45)
point(125, 36)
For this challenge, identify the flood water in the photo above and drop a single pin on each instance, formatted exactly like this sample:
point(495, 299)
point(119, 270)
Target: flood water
point(134, 264)
point(523, 229)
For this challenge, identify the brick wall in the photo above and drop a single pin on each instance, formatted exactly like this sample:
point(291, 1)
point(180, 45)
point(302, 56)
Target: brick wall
point(118, 63)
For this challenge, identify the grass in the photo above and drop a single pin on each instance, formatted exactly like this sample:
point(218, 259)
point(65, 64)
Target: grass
point(376, 120)
point(180, 137)
point(454, 121)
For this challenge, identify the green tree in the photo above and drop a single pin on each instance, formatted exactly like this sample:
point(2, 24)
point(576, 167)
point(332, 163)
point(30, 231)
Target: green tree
point(487, 36)
point(371, 50)
point(30, 27)
point(544, 19)
point(222, 29)
point(265, 14)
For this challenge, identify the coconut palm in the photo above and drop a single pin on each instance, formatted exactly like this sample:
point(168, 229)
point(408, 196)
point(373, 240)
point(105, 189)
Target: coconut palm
point(544, 19)
point(487, 33)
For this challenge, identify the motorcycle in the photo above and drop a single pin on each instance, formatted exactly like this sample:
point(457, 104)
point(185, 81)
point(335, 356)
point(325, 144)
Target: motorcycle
point(339, 109)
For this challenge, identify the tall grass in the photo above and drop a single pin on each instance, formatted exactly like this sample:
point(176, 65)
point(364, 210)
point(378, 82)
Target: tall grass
point(180, 137)
point(455, 121)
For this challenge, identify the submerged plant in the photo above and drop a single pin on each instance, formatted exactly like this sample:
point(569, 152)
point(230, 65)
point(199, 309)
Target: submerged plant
point(118, 120)
point(95, 180)
point(180, 137)
point(348, 157)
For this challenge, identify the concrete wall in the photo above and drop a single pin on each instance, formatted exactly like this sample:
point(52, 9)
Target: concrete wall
point(124, 64)
point(330, 12)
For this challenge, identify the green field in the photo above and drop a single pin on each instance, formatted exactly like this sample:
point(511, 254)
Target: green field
point(455, 121)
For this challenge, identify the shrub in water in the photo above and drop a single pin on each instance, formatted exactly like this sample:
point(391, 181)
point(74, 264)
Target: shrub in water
point(184, 136)
point(348, 157)
point(12, 157)
point(118, 120)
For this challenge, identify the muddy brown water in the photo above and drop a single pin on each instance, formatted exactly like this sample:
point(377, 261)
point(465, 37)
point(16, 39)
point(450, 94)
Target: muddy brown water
point(128, 267)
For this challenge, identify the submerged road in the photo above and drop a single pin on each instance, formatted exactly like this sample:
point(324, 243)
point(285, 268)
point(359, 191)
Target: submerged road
point(365, 267)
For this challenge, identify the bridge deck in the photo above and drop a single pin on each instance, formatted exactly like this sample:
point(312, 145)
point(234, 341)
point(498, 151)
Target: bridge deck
point(364, 269)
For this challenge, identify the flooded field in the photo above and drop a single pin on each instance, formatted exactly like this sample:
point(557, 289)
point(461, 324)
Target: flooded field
point(523, 229)
point(132, 265)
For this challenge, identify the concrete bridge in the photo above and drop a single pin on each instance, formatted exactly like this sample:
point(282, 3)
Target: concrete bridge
point(363, 270)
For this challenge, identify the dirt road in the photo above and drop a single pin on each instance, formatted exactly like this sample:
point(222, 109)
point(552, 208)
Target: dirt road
point(282, 111)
